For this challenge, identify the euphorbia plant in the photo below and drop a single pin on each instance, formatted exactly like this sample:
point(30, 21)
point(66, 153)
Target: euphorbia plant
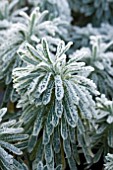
point(57, 105)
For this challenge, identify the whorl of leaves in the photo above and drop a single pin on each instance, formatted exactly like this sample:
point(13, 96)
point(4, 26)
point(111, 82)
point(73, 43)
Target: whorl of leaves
point(9, 133)
point(59, 14)
point(57, 99)
point(101, 60)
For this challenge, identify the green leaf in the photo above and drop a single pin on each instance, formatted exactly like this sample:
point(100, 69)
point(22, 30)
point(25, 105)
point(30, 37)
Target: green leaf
point(31, 143)
point(44, 83)
point(10, 147)
point(67, 148)
point(58, 108)
point(47, 94)
point(56, 140)
point(48, 152)
point(46, 50)
point(59, 90)
point(64, 129)
point(72, 163)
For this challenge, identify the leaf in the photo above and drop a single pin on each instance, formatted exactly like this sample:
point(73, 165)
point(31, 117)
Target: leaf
point(46, 137)
point(11, 147)
point(72, 134)
point(110, 138)
point(47, 95)
point(42, 16)
point(72, 92)
point(75, 153)
point(34, 84)
point(38, 123)
point(39, 152)
point(72, 163)
point(2, 113)
point(46, 50)
point(11, 130)
point(86, 150)
point(35, 53)
point(55, 119)
point(98, 155)
point(69, 118)
point(64, 129)
point(48, 152)
point(28, 60)
point(58, 108)
point(32, 143)
point(44, 83)
point(71, 112)
point(64, 49)
point(67, 148)
point(6, 158)
point(56, 140)
point(13, 138)
point(20, 165)
point(59, 90)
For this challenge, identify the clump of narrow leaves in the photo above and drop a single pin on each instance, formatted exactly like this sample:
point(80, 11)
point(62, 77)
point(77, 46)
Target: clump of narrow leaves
point(108, 162)
point(9, 133)
point(101, 60)
point(57, 105)
point(32, 30)
point(59, 14)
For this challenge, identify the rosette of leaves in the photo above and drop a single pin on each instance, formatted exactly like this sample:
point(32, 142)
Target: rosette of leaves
point(32, 30)
point(97, 11)
point(108, 162)
point(59, 14)
point(9, 136)
point(101, 59)
point(57, 104)
point(103, 139)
